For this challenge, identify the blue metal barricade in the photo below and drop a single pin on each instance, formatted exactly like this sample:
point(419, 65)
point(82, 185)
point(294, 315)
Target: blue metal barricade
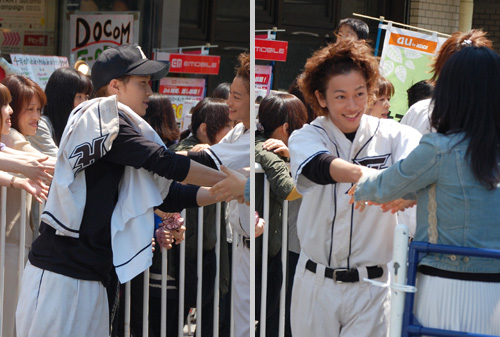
point(417, 250)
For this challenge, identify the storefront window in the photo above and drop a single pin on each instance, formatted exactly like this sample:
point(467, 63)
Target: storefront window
point(102, 5)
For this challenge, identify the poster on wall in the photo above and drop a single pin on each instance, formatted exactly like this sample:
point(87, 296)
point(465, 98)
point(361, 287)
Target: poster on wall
point(263, 77)
point(90, 34)
point(24, 27)
point(38, 68)
point(405, 60)
point(180, 90)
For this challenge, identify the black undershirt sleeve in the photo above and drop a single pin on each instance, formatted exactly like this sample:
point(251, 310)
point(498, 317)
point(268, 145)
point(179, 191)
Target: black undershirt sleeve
point(318, 169)
point(203, 158)
point(132, 149)
point(179, 197)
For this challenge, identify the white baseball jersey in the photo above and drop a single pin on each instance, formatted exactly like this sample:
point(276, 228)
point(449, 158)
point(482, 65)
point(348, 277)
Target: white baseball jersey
point(418, 116)
point(233, 151)
point(330, 231)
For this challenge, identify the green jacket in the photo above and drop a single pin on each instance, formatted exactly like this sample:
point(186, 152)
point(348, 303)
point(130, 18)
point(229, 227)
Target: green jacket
point(281, 184)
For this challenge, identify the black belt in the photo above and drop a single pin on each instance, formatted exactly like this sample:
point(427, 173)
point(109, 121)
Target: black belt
point(246, 241)
point(342, 275)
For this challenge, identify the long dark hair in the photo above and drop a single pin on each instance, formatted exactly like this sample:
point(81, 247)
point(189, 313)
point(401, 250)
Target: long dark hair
point(466, 99)
point(280, 108)
point(63, 85)
point(161, 116)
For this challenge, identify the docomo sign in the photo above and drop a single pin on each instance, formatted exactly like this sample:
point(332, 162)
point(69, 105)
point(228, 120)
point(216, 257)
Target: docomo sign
point(271, 50)
point(194, 64)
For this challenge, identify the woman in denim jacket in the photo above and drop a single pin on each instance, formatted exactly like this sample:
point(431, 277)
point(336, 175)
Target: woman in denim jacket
point(458, 167)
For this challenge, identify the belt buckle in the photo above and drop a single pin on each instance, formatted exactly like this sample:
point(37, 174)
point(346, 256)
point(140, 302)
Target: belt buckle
point(335, 274)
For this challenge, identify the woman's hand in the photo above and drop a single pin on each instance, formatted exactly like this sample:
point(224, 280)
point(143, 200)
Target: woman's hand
point(37, 170)
point(37, 189)
point(164, 237)
point(277, 146)
point(359, 205)
point(397, 205)
point(200, 147)
point(179, 234)
point(259, 227)
point(393, 206)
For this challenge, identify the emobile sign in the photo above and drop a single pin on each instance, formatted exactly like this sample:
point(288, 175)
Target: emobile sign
point(194, 64)
point(271, 50)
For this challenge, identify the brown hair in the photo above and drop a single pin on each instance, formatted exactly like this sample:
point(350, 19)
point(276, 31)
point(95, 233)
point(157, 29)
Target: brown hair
point(161, 116)
point(338, 58)
point(384, 88)
point(456, 42)
point(22, 90)
point(5, 98)
point(214, 112)
point(243, 69)
point(103, 91)
point(280, 108)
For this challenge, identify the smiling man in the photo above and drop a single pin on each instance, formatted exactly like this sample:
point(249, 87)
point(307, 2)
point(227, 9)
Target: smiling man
point(99, 212)
point(339, 246)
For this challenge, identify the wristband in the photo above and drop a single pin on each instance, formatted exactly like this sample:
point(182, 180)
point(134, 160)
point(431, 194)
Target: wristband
point(12, 181)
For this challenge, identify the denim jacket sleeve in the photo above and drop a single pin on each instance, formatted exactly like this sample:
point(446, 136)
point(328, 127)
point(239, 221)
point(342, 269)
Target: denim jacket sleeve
point(404, 178)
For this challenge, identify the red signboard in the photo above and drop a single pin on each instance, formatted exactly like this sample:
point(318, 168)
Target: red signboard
point(271, 50)
point(194, 64)
point(182, 91)
point(35, 40)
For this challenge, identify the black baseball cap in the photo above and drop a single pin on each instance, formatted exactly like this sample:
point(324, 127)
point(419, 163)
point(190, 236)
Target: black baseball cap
point(126, 59)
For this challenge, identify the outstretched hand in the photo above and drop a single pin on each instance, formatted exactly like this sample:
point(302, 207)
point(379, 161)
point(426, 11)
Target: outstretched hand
point(230, 188)
point(38, 170)
point(392, 206)
point(37, 189)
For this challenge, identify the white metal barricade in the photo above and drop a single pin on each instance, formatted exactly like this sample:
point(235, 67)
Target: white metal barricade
point(22, 245)
point(181, 318)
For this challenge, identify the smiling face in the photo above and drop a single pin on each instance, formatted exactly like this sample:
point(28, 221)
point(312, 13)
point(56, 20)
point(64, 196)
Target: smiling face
point(134, 93)
point(381, 107)
point(29, 117)
point(6, 111)
point(239, 102)
point(345, 99)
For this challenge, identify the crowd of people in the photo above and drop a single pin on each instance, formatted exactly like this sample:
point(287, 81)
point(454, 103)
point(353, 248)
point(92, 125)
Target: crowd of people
point(120, 170)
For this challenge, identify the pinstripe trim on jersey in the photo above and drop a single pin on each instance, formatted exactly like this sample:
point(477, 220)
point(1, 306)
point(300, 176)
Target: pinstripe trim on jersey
point(60, 223)
point(133, 257)
point(352, 206)
point(215, 156)
point(319, 128)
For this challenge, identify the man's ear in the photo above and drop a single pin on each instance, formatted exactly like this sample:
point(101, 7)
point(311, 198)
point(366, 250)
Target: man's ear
point(114, 86)
point(320, 98)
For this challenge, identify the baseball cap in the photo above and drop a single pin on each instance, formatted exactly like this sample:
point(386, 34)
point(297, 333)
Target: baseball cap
point(126, 59)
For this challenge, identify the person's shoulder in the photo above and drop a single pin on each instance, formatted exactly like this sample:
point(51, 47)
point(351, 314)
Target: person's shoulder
point(420, 106)
point(13, 137)
point(445, 141)
point(185, 145)
point(316, 126)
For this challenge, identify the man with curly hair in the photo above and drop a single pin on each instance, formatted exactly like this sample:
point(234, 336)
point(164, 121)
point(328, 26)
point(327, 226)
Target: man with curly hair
point(340, 246)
